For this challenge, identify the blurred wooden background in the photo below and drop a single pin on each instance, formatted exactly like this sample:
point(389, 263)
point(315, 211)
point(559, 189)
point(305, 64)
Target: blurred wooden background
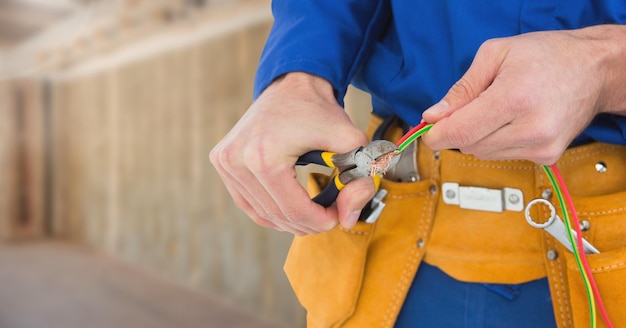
point(105, 134)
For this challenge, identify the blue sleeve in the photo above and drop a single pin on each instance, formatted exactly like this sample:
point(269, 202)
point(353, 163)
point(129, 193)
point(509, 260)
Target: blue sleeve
point(327, 38)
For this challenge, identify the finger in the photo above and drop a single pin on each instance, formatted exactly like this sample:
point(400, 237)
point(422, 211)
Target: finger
point(520, 142)
point(264, 207)
point(284, 198)
point(352, 198)
point(241, 202)
point(476, 79)
point(253, 200)
point(294, 202)
point(470, 124)
point(259, 175)
point(344, 138)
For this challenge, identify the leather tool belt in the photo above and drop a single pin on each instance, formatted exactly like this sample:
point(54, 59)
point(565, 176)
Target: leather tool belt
point(463, 216)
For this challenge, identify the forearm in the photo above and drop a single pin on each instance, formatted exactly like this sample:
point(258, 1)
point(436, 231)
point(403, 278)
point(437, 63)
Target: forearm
point(608, 42)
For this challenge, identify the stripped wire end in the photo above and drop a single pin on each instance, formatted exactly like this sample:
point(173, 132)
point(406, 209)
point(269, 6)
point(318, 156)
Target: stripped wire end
point(381, 164)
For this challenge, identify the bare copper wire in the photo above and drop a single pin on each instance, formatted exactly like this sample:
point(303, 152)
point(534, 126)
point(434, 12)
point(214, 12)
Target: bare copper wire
point(381, 164)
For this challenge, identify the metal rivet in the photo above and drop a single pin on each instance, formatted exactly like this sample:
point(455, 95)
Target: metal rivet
point(433, 189)
point(601, 167)
point(552, 255)
point(436, 154)
point(514, 199)
point(585, 225)
point(450, 194)
point(546, 194)
point(413, 178)
point(420, 243)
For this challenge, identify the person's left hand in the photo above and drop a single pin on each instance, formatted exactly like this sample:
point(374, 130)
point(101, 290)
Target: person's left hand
point(528, 96)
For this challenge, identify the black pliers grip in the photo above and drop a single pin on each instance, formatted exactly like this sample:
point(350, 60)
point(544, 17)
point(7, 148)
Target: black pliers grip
point(329, 194)
point(357, 163)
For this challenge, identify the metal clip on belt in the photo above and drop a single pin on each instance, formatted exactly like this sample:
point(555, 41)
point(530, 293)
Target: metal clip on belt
point(483, 199)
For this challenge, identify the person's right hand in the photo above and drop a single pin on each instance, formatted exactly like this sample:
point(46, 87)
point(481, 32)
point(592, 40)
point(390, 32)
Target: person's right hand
point(297, 113)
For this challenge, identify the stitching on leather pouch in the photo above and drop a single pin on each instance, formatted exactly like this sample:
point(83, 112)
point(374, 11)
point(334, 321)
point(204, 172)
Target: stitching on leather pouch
point(354, 232)
point(395, 299)
point(612, 211)
point(604, 149)
point(474, 159)
point(560, 290)
point(413, 261)
point(401, 196)
point(426, 209)
point(608, 267)
point(492, 166)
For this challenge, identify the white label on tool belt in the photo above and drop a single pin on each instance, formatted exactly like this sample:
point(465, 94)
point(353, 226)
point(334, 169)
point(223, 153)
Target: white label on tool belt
point(482, 199)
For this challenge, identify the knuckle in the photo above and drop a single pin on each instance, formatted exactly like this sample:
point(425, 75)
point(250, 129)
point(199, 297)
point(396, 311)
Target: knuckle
point(547, 155)
point(351, 137)
point(226, 157)
point(543, 135)
point(490, 47)
point(257, 160)
point(471, 151)
point(462, 89)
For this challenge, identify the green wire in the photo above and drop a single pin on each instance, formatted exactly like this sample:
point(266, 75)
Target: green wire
point(570, 236)
point(413, 137)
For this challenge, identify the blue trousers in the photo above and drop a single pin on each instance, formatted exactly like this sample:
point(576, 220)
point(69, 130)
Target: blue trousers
point(438, 300)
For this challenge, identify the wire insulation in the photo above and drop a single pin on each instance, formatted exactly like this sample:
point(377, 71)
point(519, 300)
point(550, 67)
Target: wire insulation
point(566, 203)
point(412, 135)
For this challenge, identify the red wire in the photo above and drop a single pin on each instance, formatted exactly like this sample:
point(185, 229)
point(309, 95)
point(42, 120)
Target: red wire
point(411, 132)
point(579, 241)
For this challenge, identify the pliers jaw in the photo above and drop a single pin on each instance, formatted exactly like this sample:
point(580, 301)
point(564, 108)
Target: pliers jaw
point(375, 158)
point(360, 162)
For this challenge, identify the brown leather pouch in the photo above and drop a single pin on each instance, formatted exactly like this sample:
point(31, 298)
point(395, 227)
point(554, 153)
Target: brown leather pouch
point(359, 277)
point(606, 216)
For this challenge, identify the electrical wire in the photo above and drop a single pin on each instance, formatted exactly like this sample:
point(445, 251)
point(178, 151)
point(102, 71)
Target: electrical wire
point(549, 170)
point(567, 205)
point(412, 135)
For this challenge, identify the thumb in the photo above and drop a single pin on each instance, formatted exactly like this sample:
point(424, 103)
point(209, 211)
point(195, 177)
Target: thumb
point(352, 198)
point(476, 79)
point(344, 137)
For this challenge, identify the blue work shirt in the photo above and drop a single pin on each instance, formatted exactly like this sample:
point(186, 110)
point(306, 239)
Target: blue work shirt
point(408, 53)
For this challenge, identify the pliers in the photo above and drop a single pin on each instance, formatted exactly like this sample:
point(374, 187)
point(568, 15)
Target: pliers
point(371, 160)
